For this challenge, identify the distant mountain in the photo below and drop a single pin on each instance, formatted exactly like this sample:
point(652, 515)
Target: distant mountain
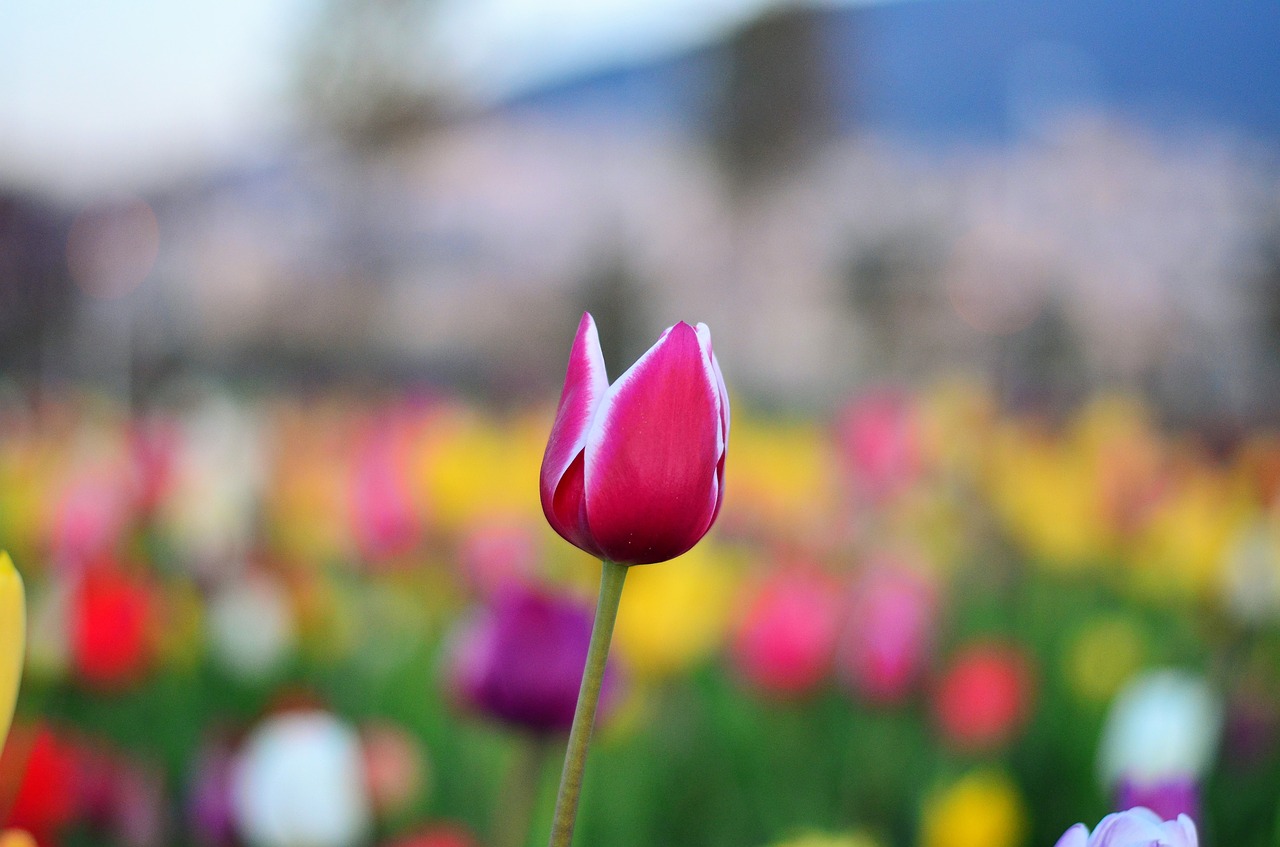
point(956, 70)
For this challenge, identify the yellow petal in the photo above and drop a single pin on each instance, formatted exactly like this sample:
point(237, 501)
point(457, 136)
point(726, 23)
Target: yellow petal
point(13, 631)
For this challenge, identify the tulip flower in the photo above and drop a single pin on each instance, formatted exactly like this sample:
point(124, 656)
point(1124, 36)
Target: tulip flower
point(1135, 828)
point(1168, 798)
point(299, 780)
point(520, 660)
point(880, 437)
point(111, 619)
point(49, 791)
point(888, 632)
point(1165, 725)
point(787, 636)
point(210, 816)
point(982, 809)
point(395, 768)
point(13, 636)
point(984, 697)
point(633, 473)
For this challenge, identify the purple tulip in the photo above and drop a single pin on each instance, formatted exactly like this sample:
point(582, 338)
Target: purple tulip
point(520, 660)
point(1135, 828)
point(634, 471)
point(1168, 798)
point(209, 811)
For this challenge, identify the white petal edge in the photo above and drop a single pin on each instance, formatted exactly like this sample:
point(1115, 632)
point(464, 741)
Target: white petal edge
point(597, 387)
point(714, 377)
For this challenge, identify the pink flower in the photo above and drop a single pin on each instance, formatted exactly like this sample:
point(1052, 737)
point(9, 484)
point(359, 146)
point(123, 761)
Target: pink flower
point(787, 636)
point(384, 516)
point(888, 633)
point(880, 436)
point(1135, 828)
point(634, 471)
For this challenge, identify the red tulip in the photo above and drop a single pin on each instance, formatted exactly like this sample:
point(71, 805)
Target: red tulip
point(50, 783)
point(634, 471)
point(985, 696)
point(111, 618)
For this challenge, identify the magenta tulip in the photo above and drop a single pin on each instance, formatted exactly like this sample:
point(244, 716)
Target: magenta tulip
point(634, 471)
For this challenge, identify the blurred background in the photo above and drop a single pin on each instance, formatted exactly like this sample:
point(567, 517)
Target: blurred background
point(286, 293)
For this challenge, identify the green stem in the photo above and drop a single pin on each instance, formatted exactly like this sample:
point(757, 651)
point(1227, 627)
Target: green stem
point(612, 577)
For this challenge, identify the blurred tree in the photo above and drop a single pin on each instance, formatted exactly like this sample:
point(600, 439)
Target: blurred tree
point(1266, 285)
point(1042, 368)
point(36, 292)
point(775, 104)
point(367, 74)
point(615, 297)
point(889, 286)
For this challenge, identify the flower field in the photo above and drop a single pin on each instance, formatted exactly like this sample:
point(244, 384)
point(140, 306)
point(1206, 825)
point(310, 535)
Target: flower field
point(336, 617)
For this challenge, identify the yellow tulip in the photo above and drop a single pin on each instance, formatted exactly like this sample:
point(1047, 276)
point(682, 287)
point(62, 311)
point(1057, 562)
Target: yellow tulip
point(13, 636)
point(983, 809)
point(672, 618)
point(1103, 655)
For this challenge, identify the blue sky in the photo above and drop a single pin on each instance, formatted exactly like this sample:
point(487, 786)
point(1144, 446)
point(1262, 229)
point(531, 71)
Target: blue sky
point(97, 97)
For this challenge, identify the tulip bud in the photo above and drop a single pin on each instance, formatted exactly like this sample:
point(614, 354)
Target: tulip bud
point(13, 633)
point(634, 471)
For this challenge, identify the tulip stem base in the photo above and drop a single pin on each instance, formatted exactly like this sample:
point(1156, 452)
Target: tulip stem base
point(612, 578)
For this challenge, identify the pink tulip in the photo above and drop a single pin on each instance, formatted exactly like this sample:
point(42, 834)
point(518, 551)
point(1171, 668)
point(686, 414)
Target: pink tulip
point(880, 435)
point(634, 471)
point(787, 636)
point(889, 632)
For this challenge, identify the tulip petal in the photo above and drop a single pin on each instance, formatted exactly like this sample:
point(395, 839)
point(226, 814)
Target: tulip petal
point(704, 338)
point(560, 485)
point(722, 393)
point(1077, 836)
point(1182, 832)
point(13, 629)
point(653, 451)
point(1136, 826)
